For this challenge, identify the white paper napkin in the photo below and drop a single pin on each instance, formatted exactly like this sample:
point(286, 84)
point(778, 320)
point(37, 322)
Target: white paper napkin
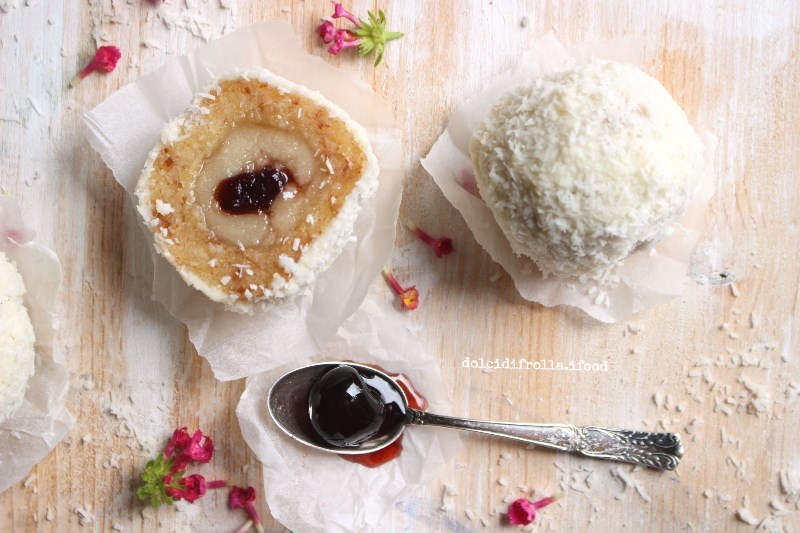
point(124, 128)
point(308, 490)
point(646, 279)
point(42, 420)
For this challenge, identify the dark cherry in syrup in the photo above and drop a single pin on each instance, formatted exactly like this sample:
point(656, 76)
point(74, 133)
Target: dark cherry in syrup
point(345, 411)
point(251, 192)
point(393, 409)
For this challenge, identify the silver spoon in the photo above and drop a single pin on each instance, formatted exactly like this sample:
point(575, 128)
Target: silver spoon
point(289, 406)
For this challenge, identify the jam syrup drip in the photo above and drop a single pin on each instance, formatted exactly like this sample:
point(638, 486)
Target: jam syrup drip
point(384, 455)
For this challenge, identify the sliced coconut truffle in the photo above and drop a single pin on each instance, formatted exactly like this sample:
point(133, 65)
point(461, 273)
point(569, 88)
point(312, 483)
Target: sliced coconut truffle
point(583, 167)
point(255, 189)
point(17, 356)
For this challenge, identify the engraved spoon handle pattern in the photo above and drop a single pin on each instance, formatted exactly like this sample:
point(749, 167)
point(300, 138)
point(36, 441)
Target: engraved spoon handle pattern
point(656, 450)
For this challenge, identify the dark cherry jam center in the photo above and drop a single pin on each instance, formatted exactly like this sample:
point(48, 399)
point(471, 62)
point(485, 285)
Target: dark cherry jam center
point(251, 192)
point(357, 402)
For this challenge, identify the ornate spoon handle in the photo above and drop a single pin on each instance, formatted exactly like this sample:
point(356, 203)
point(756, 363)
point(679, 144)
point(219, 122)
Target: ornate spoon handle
point(656, 450)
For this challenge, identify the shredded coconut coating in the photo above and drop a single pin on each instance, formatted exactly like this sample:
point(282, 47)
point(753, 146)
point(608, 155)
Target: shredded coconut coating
point(17, 355)
point(583, 167)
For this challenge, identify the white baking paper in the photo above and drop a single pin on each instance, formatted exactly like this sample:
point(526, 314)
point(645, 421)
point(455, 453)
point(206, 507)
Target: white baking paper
point(42, 420)
point(647, 278)
point(125, 127)
point(308, 490)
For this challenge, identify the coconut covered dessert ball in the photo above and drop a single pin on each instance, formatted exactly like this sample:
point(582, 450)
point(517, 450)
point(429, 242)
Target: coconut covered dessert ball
point(17, 356)
point(583, 167)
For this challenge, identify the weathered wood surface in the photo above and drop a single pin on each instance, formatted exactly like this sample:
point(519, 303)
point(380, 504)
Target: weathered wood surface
point(733, 66)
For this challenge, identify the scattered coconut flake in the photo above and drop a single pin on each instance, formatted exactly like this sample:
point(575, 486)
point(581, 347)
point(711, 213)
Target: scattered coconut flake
point(658, 399)
point(777, 505)
point(734, 290)
point(640, 489)
point(622, 477)
point(746, 516)
point(692, 426)
point(448, 491)
point(470, 514)
point(503, 482)
point(225, 280)
point(85, 517)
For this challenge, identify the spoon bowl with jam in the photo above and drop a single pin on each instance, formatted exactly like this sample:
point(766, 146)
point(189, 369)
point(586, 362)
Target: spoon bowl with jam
point(352, 409)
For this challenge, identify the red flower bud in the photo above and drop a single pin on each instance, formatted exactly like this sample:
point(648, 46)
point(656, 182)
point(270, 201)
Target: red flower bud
point(105, 60)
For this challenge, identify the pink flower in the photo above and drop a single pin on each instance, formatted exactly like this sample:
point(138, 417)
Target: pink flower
point(192, 487)
point(200, 448)
point(441, 246)
point(522, 511)
point(343, 40)
point(409, 297)
point(327, 31)
point(164, 478)
point(339, 11)
point(243, 498)
point(184, 449)
point(179, 441)
point(369, 36)
point(105, 60)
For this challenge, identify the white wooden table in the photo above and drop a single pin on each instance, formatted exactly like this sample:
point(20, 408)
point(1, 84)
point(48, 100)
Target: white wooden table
point(733, 65)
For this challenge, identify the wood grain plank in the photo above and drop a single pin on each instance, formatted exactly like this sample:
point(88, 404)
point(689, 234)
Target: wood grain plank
point(732, 65)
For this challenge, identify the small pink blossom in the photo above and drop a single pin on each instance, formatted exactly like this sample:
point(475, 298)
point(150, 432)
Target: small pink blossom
point(192, 487)
point(342, 41)
point(243, 498)
point(523, 511)
point(368, 36)
point(441, 246)
point(179, 441)
point(327, 31)
point(339, 11)
point(184, 449)
point(409, 298)
point(105, 60)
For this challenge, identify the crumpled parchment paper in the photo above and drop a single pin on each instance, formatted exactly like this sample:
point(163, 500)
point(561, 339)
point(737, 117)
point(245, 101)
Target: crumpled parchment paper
point(125, 127)
point(308, 490)
point(42, 420)
point(645, 278)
